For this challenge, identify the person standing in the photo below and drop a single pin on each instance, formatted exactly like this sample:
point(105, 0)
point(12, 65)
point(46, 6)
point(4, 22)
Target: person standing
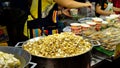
point(106, 7)
point(103, 8)
point(47, 18)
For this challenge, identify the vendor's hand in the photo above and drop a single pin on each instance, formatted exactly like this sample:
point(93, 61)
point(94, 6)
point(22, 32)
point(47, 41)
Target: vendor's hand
point(66, 12)
point(89, 4)
point(112, 12)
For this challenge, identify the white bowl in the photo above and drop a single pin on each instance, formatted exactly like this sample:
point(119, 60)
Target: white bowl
point(91, 23)
point(97, 19)
point(85, 25)
point(104, 22)
point(75, 24)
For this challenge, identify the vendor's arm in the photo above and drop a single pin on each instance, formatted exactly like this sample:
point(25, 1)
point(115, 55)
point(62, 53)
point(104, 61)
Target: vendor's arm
point(72, 3)
point(102, 12)
point(65, 12)
point(116, 9)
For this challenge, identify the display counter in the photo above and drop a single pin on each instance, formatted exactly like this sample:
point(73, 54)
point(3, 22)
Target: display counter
point(105, 56)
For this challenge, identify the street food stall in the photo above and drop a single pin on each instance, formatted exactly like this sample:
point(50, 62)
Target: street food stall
point(96, 46)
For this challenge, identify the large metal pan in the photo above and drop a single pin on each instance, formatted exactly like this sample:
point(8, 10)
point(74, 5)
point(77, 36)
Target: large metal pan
point(79, 61)
point(19, 53)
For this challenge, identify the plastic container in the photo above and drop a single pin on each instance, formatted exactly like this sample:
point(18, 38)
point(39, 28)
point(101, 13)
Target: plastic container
point(75, 28)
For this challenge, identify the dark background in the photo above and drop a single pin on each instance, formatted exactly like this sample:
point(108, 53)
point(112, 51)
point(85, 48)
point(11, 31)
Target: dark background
point(14, 16)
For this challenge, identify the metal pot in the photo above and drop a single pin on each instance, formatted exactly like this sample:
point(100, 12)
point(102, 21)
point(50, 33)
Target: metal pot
point(79, 61)
point(19, 53)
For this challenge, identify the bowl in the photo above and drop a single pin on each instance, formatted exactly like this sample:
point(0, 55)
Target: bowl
point(97, 20)
point(91, 23)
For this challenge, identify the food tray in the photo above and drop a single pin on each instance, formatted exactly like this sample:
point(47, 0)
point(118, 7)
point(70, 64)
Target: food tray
point(104, 51)
point(97, 46)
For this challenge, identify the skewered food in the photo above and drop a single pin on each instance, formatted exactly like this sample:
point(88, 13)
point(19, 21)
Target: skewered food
point(109, 37)
point(8, 61)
